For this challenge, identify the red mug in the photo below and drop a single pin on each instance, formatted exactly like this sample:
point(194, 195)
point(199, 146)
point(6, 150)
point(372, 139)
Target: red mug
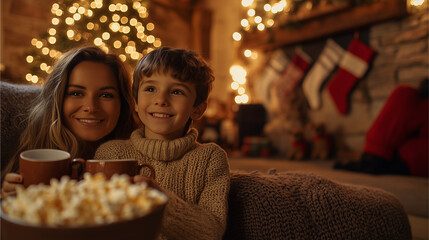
point(131, 167)
point(41, 165)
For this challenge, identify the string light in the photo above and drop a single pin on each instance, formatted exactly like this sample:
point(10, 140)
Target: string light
point(114, 25)
point(239, 74)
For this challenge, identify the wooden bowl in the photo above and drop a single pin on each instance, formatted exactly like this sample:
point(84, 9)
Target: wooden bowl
point(146, 227)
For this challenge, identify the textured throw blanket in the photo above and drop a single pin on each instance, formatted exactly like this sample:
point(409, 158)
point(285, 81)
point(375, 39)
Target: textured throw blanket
point(294, 205)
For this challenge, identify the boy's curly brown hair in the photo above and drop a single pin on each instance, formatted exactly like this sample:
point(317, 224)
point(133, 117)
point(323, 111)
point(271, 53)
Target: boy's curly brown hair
point(183, 65)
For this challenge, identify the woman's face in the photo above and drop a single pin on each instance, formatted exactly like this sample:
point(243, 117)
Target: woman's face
point(92, 104)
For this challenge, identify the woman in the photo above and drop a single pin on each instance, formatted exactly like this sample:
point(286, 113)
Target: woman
point(85, 101)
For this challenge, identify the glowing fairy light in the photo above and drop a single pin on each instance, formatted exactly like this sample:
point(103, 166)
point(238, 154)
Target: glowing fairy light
point(246, 3)
point(236, 36)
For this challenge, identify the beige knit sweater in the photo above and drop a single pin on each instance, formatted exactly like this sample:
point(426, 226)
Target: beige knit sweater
point(195, 177)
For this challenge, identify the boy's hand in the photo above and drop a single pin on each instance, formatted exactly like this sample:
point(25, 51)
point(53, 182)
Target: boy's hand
point(11, 181)
point(150, 181)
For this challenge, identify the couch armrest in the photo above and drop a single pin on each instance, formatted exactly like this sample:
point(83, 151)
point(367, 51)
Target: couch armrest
point(293, 205)
point(15, 102)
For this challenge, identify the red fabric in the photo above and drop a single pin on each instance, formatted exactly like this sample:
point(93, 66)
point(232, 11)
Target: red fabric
point(343, 81)
point(415, 153)
point(402, 125)
point(293, 74)
point(301, 145)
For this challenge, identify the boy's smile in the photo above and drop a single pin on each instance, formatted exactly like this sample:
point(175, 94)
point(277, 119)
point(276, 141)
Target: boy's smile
point(165, 105)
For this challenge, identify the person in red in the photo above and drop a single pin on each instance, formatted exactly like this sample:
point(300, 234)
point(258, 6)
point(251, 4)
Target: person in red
point(397, 141)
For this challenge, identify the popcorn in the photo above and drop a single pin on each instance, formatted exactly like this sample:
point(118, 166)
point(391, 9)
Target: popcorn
point(94, 200)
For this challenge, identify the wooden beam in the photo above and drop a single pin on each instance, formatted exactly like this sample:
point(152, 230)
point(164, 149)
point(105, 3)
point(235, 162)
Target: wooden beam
point(349, 19)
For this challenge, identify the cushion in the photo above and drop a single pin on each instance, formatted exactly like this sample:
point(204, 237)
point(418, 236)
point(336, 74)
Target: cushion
point(15, 102)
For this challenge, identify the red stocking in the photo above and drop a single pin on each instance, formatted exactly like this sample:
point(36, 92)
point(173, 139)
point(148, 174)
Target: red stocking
point(293, 74)
point(353, 66)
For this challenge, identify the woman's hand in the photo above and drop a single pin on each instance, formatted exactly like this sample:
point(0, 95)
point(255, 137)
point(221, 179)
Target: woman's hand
point(11, 181)
point(150, 181)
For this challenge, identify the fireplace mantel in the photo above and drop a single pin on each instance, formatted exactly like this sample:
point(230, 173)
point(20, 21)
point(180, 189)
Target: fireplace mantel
point(321, 25)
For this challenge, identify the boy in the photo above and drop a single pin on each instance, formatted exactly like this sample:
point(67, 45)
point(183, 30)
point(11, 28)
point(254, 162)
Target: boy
point(171, 87)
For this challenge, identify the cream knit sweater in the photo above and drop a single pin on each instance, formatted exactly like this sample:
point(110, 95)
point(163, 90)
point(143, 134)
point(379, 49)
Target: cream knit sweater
point(194, 176)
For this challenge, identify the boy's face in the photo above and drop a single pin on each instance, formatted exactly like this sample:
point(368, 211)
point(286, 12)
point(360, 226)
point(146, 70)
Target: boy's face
point(165, 104)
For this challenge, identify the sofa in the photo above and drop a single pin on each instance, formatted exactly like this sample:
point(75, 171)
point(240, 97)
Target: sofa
point(287, 205)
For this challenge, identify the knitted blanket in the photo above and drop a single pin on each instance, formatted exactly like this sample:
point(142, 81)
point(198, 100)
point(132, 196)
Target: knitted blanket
point(294, 205)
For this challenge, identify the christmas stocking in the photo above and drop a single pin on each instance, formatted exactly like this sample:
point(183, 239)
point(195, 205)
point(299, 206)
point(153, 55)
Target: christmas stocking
point(293, 74)
point(353, 66)
point(325, 64)
point(276, 66)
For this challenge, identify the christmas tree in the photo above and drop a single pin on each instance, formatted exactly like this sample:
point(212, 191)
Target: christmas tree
point(117, 26)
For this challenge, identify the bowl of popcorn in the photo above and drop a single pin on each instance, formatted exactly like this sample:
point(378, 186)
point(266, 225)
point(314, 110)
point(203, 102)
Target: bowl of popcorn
point(93, 208)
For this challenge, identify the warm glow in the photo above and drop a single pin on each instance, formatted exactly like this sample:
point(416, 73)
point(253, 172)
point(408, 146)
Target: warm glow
point(105, 35)
point(237, 70)
point(52, 31)
point(55, 6)
point(115, 27)
point(236, 36)
point(133, 21)
point(258, 19)
point(244, 98)
point(90, 26)
point(126, 30)
point(45, 51)
point(28, 76)
point(81, 10)
point(34, 79)
point(235, 85)
point(70, 33)
point(244, 23)
point(69, 21)
point(135, 55)
point(267, 7)
point(239, 79)
point(72, 9)
point(98, 41)
point(55, 21)
point(52, 40)
point(417, 2)
point(29, 59)
point(117, 44)
point(43, 66)
point(103, 19)
point(150, 39)
point(157, 43)
point(124, 20)
point(247, 53)
point(39, 44)
point(150, 26)
point(116, 17)
point(77, 16)
point(246, 3)
point(251, 12)
point(261, 27)
point(241, 90)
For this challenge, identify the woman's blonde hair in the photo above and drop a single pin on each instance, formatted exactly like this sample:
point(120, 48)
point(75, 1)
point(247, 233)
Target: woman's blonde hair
point(45, 125)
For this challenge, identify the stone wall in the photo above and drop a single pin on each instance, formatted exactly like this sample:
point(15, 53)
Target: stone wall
point(401, 58)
